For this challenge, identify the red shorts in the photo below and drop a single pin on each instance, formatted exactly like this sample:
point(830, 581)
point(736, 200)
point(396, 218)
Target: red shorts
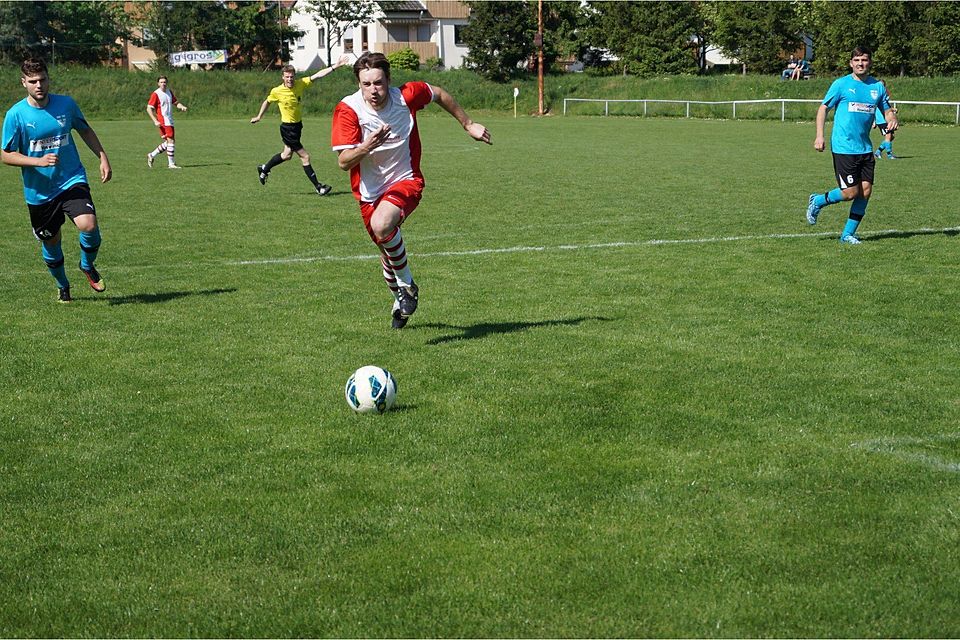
point(165, 131)
point(404, 194)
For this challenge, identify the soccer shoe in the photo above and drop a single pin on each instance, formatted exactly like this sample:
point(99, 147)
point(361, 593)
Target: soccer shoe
point(812, 209)
point(262, 173)
point(150, 161)
point(93, 277)
point(63, 295)
point(878, 153)
point(890, 156)
point(174, 166)
point(323, 189)
point(398, 321)
point(849, 239)
point(408, 300)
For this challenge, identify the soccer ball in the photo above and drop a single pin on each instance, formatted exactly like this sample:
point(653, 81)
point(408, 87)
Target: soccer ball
point(371, 390)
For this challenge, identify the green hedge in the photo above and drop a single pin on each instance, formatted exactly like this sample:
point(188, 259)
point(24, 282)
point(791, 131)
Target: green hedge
point(118, 95)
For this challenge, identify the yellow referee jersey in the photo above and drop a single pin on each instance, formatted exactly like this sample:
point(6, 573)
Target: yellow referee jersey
point(289, 99)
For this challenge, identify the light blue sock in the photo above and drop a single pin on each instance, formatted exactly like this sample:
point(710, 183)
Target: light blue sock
point(89, 246)
point(831, 197)
point(857, 210)
point(886, 146)
point(53, 256)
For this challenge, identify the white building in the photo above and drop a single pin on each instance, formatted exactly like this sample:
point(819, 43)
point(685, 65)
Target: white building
point(430, 28)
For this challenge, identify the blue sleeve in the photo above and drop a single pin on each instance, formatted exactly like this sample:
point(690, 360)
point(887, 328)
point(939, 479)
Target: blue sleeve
point(884, 104)
point(832, 99)
point(11, 132)
point(79, 122)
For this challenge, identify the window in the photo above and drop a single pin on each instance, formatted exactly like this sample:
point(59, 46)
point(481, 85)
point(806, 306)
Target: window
point(347, 40)
point(423, 33)
point(458, 35)
point(321, 38)
point(364, 38)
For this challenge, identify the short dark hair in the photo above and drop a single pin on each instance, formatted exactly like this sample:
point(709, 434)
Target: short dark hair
point(288, 68)
point(372, 61)
point(33, 67)
point(159, 78)
point(861, 50)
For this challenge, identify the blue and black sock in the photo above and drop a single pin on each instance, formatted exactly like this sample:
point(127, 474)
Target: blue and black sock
point(857, 210)
point(53, 256)
point(89, 247)
point(830, 197)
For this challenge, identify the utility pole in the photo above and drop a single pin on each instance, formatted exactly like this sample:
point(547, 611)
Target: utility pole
point(539, 42)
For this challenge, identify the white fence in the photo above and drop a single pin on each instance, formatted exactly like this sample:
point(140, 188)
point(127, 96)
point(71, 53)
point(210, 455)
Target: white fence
point(782, 101)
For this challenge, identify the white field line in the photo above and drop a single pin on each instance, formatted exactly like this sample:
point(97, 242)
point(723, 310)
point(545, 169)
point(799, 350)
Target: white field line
point(906, 449)
point(580, 247)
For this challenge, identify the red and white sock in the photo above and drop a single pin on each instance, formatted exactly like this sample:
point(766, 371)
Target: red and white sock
point(170, 147)
point(393, 258)
point(160, 149)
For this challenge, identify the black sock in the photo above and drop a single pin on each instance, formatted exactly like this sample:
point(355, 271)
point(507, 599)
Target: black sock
point(272, 162)
point(308, 169)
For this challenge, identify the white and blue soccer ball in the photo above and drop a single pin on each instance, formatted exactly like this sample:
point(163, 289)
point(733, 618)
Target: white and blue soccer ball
point(371, 390)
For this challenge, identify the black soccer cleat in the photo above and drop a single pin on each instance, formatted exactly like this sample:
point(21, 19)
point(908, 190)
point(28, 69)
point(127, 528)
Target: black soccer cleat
point(398, 321)
point(323, 189)
point(408, 300)
point(94, 278)
point(262, 173)
point(63, 295)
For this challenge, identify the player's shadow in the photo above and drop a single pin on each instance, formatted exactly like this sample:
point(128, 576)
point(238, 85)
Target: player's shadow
point(899, 235)
point(154, 298)
point(482, 330)
point(195, 165)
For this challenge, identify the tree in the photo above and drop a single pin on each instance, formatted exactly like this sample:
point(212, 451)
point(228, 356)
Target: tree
point(501, 35)
point(258, 33)
point(500, 38)
point(338, 16)
point(650, 38)
point(756, 33)
point(85, 32)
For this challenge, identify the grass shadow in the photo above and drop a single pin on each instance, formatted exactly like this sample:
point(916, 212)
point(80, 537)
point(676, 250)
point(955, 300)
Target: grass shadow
point(154, 298)
point(482, 330)
point(899, 235)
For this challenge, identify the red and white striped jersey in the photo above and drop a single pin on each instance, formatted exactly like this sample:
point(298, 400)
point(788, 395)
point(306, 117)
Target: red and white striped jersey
point(163, 102)
point(398, 158)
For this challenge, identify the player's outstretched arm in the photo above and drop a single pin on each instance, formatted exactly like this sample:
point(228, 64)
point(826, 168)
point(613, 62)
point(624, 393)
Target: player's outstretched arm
point(341, 61)
point(263, 109)
point(90, 138)
point(449, 104)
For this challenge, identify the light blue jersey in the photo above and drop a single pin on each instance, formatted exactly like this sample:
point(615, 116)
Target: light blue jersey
point(36, 132)
point(854, 103)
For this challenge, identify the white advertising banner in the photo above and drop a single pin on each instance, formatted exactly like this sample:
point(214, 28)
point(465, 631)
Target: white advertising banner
point(182, 58)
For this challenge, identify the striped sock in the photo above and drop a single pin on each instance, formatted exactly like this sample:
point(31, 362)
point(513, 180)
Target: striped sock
point(170, 149)
point(393, 257)
point(160, 149)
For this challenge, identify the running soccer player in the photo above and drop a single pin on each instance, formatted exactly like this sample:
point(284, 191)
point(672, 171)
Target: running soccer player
point(37, 138)
point(881, 123)
point(288, 96)
point(160, 109)
point(854, 98)
point(374, 133)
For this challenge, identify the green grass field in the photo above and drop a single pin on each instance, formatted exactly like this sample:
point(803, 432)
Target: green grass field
point(641, 397)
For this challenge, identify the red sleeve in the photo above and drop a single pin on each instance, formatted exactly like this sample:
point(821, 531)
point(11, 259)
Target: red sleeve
point(345, 131)
point(173, 98)
point(417, 95)
point(154, 101)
